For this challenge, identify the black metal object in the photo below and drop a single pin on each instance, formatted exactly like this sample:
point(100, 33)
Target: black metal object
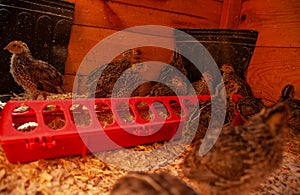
point(226, 46)
point(44, 25)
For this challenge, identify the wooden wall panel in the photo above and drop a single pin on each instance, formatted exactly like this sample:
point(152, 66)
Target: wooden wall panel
point(271, 69)
point(277, 21)
point(115, 15)
point(276, 61)
point(94, 20)
point(83, 39)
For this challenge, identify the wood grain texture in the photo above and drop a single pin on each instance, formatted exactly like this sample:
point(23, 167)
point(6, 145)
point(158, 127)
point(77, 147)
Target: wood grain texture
point(271, 69)
point(83, 39)
point(230, 14)
point(277, 21)
point(115, 15)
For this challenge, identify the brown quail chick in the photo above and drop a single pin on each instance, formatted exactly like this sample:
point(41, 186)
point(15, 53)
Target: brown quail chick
point(100, 82)
point(249, 106)
point(242, 157)
point(178, 62)
point(202, 86)
point(131, 82)
point(199, 118)
point(288, 97)
point(233, 83)
point(143, 90)
point(140, 183)
point(171, 82)
point(177, 87)
point(34, 76)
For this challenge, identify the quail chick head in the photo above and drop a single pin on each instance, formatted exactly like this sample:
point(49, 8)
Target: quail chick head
point(141, 183)
point(34, 76)
point(242, 156)
point(234, 83)
point(288, 97)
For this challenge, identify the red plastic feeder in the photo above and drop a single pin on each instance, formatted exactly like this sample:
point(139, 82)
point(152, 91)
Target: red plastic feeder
point(32, 130)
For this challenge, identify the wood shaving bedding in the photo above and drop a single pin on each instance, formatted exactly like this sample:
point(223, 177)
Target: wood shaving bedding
point(89, 175)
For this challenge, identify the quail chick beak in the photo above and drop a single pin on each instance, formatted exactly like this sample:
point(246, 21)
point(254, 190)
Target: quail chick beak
point(5, 48)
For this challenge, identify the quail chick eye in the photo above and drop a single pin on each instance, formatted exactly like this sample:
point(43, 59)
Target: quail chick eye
point(14, 45)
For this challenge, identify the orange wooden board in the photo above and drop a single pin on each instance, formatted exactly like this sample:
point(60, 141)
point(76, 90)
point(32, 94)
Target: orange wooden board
point(199, 8)
point(277, 21)
point(271, 69)
point(230, 14)
point(114, 15)
point(83, 39)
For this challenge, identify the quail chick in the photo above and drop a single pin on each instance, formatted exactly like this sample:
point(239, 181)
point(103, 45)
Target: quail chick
point(171, 82)
point(233, 83)
point(101, 81)
point(243, 156)
point(249, 106)
point(177, 84)
point(178, 62)
point(202, 86)
point(288, 97)
point(128, 84)
point(34, 76)
point(200, 118)
point(141, 183)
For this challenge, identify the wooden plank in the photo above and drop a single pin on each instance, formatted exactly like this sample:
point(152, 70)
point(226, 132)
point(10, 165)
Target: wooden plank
point(200, 8)
point(271, 69)
point(120, 15)
point(277, 21)
point(83, 39)
point(230, 14)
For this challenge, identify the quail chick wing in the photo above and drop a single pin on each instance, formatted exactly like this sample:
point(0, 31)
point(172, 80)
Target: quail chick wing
point(242, 156)
point(141, 183)
point(47, 77)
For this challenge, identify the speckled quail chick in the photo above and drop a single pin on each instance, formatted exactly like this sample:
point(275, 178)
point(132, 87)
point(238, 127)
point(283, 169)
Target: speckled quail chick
point(141, 183)
point(172, 79)
point(100, 82)
point(249, 106)
point(131, 82)
point(175, 86)
point(199, 119)
point(288, 97)
point(202, 86)
point(34, 76)
point(178, 62)
point(233, 83)
point(242, 157)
